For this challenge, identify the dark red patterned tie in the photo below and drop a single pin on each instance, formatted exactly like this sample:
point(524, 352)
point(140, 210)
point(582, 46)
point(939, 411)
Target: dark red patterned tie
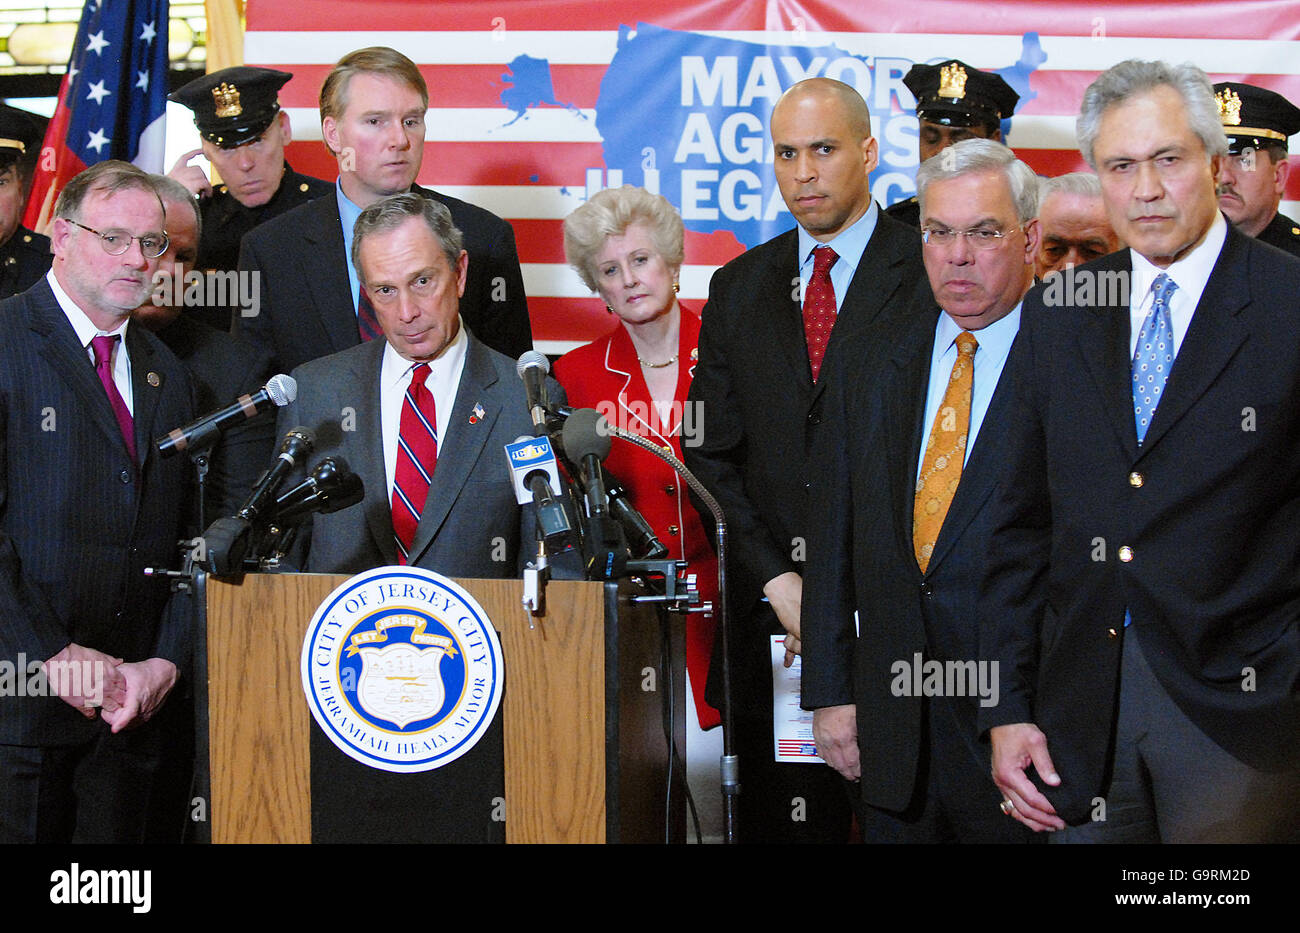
point(819, 307)
point(367, 322)
point(417, 455)
point(103, 347)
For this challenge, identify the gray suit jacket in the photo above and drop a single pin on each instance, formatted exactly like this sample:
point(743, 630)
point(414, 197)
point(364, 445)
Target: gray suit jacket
point(471, 526)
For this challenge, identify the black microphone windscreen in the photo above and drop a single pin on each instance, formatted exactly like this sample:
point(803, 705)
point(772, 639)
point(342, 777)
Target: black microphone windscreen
point(586, 432)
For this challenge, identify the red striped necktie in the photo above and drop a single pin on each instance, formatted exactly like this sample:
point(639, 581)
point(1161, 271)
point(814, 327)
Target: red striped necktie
point(417, 455)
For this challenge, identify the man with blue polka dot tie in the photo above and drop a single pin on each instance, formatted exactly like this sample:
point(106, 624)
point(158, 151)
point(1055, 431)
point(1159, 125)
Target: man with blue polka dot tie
point(1141, 595)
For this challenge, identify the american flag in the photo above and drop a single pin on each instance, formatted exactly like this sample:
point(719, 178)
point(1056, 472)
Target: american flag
point(111, 101)
point(536, 103)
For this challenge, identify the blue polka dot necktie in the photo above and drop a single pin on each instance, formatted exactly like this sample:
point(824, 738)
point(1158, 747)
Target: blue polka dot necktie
point(1154, 356)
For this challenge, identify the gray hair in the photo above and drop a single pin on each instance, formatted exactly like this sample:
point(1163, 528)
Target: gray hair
point(982, 155)
point(1117, 84)
point(169, 189)
point(390, 213)
point(108, 177)
point(1084, 184)
point(609, 213)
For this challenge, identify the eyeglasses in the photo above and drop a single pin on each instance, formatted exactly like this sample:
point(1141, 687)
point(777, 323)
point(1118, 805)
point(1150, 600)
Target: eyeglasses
point(117, 242)
point(980, 238)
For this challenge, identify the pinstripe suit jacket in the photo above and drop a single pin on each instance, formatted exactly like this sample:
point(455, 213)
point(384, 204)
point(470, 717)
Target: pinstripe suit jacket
point(77, 527)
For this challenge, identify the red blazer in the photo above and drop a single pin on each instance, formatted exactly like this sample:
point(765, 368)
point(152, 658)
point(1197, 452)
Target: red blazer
point(606, 376)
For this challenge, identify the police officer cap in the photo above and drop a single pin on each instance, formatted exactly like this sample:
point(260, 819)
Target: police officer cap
point(1255, 118)
point(17, 136)
point(953, 93)
point(233, 106)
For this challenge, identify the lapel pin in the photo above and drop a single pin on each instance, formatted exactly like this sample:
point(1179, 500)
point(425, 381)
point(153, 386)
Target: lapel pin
point(153, 379)
point(695, 354)
point(477, 416)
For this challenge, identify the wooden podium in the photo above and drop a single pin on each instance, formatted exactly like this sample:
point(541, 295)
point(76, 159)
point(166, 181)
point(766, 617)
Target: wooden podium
point(586, 759)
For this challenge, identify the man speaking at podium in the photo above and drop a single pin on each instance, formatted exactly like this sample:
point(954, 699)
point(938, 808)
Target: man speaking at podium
point(422, 416)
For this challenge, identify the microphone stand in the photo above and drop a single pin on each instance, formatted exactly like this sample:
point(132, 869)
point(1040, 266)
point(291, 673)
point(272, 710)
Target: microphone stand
point(730, 762)
point(201, 464)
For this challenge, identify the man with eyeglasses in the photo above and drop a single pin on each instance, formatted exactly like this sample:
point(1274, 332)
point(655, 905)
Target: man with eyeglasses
point(85, 506)
point(903, 519)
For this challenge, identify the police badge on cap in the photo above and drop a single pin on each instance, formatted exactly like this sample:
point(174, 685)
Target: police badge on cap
point(952, 93)
point(233, 106)
point(1255, 118)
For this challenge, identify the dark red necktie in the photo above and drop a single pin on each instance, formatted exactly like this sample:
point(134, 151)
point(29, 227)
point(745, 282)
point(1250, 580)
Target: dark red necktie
point(417, 455)
point(103, 347)
point(819, 308)
point(367, 322)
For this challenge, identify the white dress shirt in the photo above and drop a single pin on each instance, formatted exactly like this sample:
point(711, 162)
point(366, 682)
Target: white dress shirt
point(1190, 274)
point(87, 331)
point(849, 245)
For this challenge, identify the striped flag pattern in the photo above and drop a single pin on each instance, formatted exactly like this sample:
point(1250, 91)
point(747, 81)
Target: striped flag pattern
point(536, 103)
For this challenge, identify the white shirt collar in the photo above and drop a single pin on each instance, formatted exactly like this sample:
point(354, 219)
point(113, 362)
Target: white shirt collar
point(1190, 274)
point(396, 368)
point(83, 325)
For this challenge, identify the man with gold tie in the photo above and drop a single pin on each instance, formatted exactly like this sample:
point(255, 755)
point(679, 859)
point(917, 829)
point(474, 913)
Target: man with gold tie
point(902, 505)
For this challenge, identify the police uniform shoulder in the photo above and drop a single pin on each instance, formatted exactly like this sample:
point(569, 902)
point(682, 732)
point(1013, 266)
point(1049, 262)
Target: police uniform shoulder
point(307, 185)
point(31, 240)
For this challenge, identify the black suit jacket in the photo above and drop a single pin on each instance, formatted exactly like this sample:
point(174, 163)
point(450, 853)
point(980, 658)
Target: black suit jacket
point(76, 528)
point(760, 407)
point(224, 368)
point(1208, 509)
point(226, 221)
point(861, 555)
point(307, 311)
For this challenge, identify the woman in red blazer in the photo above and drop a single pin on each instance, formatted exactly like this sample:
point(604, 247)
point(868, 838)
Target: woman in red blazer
point(627, 245)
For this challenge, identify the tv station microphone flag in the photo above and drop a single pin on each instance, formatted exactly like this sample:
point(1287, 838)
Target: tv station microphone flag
point(112, 101)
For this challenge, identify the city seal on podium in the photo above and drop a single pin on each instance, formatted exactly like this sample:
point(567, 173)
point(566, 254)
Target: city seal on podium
point(402, 669)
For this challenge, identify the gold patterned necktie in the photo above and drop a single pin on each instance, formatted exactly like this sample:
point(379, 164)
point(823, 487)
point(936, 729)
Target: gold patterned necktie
point(945, 451)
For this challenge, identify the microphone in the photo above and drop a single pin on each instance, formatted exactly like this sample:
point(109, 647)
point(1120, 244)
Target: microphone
point(536, 478)
point(329, 487)
point(587, 438)
point(641, 538)
point(297, 444)
point(279, 391)
point(532, 368)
